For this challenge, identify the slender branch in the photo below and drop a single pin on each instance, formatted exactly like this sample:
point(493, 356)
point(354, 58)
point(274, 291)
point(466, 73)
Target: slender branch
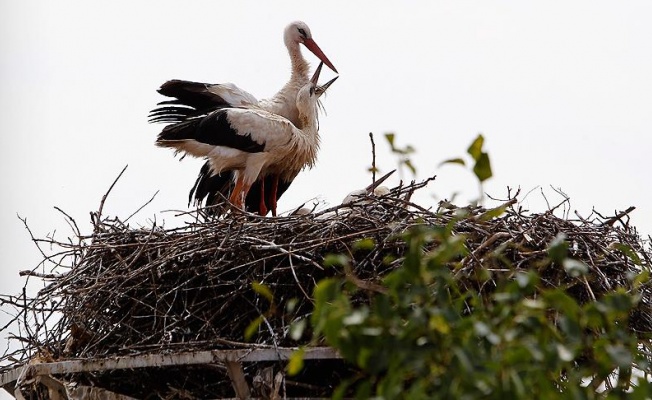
point(98, 214)
point(373, 158)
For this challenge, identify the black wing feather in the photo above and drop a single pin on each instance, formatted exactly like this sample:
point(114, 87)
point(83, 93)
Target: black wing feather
point(193, 94)
point(191, 99)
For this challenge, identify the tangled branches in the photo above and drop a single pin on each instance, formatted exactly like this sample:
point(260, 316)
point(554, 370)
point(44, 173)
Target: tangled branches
point(125, 291)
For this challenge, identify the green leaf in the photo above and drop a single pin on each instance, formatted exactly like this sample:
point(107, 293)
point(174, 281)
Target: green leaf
point(332, 260)
point(291, 305)
point(620, 355)
point(641, 279)
point(364, 244)
point(364, 357)
point(371, 331)
point(526, 279)
point(569, 324)
point(390, 139)
point(482, 168)
point(475, 150)
point(463, 359)
point(356, 317)
point(252, 328)
point(618, 301)
point(326, 290)
point(408, 164)
point(483, 330)
point(364, 390)
point(575, 268)
point(493, 213)
point(438, 322)
point(295, 364)
point(558, 299)
point(341, 389)
point(263, 290)
point(452, 161)
point(534, 304)
point(564, 353)
point(628, 251)
point(327, 295)
point(558, 248)
point(297, 328)
point(519, 387)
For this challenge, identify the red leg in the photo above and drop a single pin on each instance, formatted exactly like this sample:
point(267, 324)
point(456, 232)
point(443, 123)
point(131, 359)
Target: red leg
point(262, 208)
point(273, 194)
point(237, 198)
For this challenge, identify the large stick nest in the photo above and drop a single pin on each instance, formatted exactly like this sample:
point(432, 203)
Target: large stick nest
point(125, 290)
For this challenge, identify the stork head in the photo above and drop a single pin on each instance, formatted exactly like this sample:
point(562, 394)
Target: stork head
point(314, 81)
point(299, 33)
point(308, 93)
point(308, 98)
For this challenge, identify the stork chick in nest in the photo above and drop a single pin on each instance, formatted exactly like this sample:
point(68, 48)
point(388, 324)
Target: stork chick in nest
point(374, 189)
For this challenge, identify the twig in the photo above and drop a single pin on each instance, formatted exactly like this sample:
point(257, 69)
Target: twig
point(373, 158)
point(98, 214)
point(141, 207)
point(618, 216)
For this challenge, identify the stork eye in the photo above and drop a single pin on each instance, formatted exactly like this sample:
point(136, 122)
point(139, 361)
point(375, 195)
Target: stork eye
point(302, 32)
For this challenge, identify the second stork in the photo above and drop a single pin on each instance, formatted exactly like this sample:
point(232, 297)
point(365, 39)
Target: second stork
point(246, 141)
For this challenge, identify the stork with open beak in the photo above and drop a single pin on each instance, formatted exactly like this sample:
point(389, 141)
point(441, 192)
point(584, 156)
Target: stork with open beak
point(247, 141)
point(264, 193)
point(194, 99)
point(277, 177)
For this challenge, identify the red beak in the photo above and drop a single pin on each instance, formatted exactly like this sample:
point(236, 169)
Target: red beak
point(312, 46)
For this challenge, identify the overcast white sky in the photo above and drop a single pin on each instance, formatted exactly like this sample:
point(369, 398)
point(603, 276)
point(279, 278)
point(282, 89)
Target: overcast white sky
point(562, 92)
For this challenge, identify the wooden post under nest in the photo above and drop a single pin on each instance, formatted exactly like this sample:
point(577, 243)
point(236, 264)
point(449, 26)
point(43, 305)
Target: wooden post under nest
point(234, 369)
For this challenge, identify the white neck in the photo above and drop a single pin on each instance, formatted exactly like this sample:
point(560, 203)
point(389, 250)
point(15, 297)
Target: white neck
point(300, 67)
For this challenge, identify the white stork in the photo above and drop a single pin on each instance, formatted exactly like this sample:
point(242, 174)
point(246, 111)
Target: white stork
point(194, 99)
point(248, 140)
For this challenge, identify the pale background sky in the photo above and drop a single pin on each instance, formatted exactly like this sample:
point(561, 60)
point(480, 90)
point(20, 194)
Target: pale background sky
point(562, 92)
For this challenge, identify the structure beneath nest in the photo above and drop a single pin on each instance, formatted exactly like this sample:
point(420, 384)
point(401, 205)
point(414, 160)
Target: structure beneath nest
point(162, 313)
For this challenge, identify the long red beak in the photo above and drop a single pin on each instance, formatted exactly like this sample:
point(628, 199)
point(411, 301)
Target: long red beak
point(312, 46)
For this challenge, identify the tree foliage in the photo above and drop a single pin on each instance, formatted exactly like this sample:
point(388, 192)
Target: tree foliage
point(424, 336)
point(427, 338)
